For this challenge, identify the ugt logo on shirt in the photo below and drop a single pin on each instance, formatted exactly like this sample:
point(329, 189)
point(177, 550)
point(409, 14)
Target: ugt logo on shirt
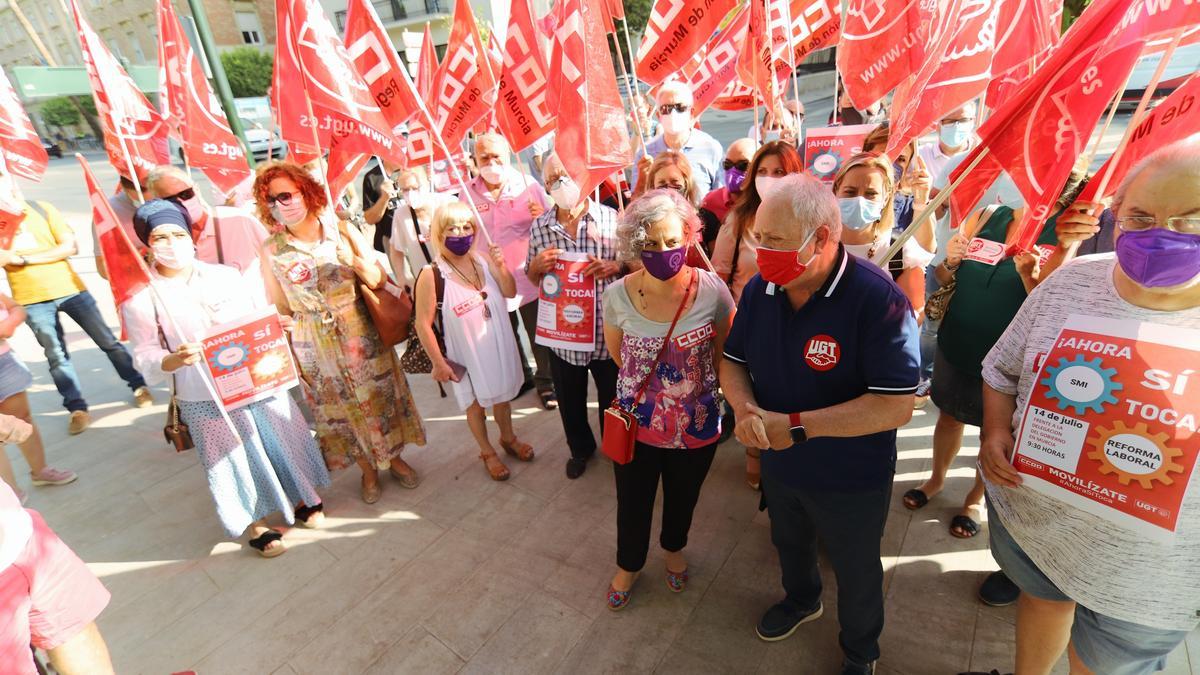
point(822, 352)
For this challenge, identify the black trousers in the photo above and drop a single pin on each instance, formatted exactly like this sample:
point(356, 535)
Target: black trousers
point(682, 473)
point(571, 389)
point(850, 526)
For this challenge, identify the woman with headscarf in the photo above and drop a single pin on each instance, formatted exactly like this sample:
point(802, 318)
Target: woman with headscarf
point(268, 461)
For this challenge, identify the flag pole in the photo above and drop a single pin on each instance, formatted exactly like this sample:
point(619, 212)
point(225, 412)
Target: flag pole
point(632, 82)
point(931, 208)
point(836, 91)
point(758, 134)
point(436, 134)
point(133, 175)
point(792, 55)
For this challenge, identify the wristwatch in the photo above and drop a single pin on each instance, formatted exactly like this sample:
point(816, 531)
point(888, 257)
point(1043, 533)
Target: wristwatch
point(799, 433)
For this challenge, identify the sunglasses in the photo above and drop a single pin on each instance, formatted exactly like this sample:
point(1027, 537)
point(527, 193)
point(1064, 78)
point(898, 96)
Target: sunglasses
point(283, 199)
point(743, 165)
point(183, 195)
point(668, 108)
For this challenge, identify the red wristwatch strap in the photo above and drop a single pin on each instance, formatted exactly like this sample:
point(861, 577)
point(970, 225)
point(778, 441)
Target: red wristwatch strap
point(794, 420)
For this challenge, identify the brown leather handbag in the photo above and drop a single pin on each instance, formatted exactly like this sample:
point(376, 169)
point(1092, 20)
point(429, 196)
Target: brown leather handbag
point(390, 306)
point(176, 432)
point(620, 425)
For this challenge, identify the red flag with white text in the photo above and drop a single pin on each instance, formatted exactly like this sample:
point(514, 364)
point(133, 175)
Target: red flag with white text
point(719, 66)
point(882, 43)
point(815, 25)
point(1038, 134)
point(675, 32)
point(289, 103)
point(377, 62)
point(23, 151)
point(736, 96)
point(752, 63)
point(130, 124)
point(464, 89)
point(127, 273)
point(1026, 29)
point(191, 111)
point(592, 139)
point(426, 67)
point(957, 68)
point(1177, 117)
point(523, 111)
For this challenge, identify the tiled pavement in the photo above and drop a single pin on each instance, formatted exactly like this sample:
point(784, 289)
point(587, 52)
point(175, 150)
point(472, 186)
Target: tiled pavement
point(467, 575)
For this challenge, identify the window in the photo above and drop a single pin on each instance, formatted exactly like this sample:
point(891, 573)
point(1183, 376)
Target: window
point(340, 19)
point(247, 23)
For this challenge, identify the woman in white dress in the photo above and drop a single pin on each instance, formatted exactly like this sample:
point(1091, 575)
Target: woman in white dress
point(271, 464)
point(481, 358)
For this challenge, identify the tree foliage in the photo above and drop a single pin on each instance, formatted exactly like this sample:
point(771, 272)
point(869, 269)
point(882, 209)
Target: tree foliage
point(60, 112)
point(248, 71)
point(1071, 11)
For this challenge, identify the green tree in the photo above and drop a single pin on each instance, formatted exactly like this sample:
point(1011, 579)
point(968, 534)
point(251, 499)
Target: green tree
point(248, 70)
point(60, 112)
point(1071, 11)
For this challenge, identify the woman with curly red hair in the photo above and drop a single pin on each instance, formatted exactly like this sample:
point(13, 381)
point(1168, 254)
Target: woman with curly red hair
point(313, 267)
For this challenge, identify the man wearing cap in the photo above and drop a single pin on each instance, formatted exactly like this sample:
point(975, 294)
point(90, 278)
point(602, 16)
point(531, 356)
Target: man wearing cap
point(43, 281)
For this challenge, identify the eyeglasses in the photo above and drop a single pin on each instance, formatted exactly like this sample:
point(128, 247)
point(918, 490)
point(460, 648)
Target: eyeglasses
point(558, 182)
point(678, 187)
point(742, 165)
point(1180, 224)
point(183, 195)
point(283, 198)
point(668, 108)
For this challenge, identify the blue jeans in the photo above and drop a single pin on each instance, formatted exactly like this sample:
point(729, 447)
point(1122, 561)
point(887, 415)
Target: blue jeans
point(929, 329)
point(43, 318)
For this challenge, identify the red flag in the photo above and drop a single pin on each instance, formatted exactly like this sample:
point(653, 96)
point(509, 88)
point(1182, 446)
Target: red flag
point(127, 273)
point(1027, 28)
point(958, 67)
point(883, 42)
point(377, 61)
point(192, 113)
point(130, 124)
point(289, 103)
point(426, 67)
point(719, 66)
point(1037, 135)
point(1175, 118)
point(753, 63)
point(816, 25)
point(523, 111)
point(464, 88)
point(736, 96)
point(675, 32)
point(592, 140)
point(23, 151)
point(340, 106)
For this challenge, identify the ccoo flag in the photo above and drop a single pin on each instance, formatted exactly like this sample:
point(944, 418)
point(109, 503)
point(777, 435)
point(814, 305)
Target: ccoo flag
point(23, 151)
point(675, 32)
point(522, 107)
point(377, 61)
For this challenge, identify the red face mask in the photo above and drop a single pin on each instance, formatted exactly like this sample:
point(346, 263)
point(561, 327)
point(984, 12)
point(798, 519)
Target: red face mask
point(781, 267)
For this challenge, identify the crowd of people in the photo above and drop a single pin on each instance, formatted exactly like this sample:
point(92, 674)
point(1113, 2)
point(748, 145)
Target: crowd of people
point(803, 340)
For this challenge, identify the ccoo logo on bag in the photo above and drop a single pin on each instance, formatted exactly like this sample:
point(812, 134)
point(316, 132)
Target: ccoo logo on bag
point(822, 352)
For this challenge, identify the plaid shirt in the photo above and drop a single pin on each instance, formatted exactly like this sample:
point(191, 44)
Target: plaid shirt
point(597, 235)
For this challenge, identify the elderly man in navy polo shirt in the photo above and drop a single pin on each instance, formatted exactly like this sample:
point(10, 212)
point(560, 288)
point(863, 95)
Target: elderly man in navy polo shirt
point(821, 365)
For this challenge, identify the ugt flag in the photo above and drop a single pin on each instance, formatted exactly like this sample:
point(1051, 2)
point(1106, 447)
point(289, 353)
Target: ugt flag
point(23, 151)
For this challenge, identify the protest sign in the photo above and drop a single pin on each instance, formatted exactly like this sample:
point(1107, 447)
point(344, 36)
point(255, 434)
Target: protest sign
point(249, 359)
point(1110, 426)
point(567, 306)
point(826, 148)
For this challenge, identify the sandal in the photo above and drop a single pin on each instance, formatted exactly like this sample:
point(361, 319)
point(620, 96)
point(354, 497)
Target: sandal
point(312, 517)
point(408, 480)
point(520, 450)
point(915, 499)
point(753, 478)
point(262, 544)
point(549, 400)
point(370, 494)
point(961, 523)
point(495, 467)
point(677, 581)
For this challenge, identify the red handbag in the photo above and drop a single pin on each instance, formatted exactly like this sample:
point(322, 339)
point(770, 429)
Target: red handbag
point(620, 425)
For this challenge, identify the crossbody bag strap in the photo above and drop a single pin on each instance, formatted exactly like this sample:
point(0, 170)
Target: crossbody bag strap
point(737, 253)
point(162, 340)
point(667, 340)
point(417, 234)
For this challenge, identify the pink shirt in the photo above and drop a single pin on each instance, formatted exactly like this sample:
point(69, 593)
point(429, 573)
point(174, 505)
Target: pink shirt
point(508, 220)
point(241, 237)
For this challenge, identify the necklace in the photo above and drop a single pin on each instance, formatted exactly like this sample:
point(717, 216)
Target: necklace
point(476, 285)
point(642, 295)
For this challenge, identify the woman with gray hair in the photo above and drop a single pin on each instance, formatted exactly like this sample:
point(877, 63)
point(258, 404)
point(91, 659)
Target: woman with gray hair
point(664, 326)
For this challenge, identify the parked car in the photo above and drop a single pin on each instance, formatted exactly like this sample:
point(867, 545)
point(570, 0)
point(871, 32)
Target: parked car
point(1184, 62)
point(52, 149)
point(263, 143)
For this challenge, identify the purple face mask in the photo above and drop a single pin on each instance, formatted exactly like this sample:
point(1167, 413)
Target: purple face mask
point(664, 264)
point(460, 245)
point(1159, 258)
point(734, 178)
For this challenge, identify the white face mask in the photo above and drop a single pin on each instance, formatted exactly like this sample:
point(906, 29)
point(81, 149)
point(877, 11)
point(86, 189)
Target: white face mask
point(565, 194)
point(195, 209)
point(493, 174)
point(764, 184)
point(676, 122)
point(175, 253)
point(414, 198)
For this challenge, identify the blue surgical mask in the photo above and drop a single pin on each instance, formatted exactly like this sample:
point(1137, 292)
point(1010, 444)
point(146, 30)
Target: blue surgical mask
point(859, 213)
point(956, 134)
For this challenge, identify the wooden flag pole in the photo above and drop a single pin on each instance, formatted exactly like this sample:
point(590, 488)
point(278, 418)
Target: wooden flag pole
point(133, 175)
point(791, 55)
point(633, 106)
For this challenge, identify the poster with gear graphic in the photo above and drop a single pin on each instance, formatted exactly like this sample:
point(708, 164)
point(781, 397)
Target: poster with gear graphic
point(826, 148)
point(249, 358)
point(1110, 425)
point(567, 305)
